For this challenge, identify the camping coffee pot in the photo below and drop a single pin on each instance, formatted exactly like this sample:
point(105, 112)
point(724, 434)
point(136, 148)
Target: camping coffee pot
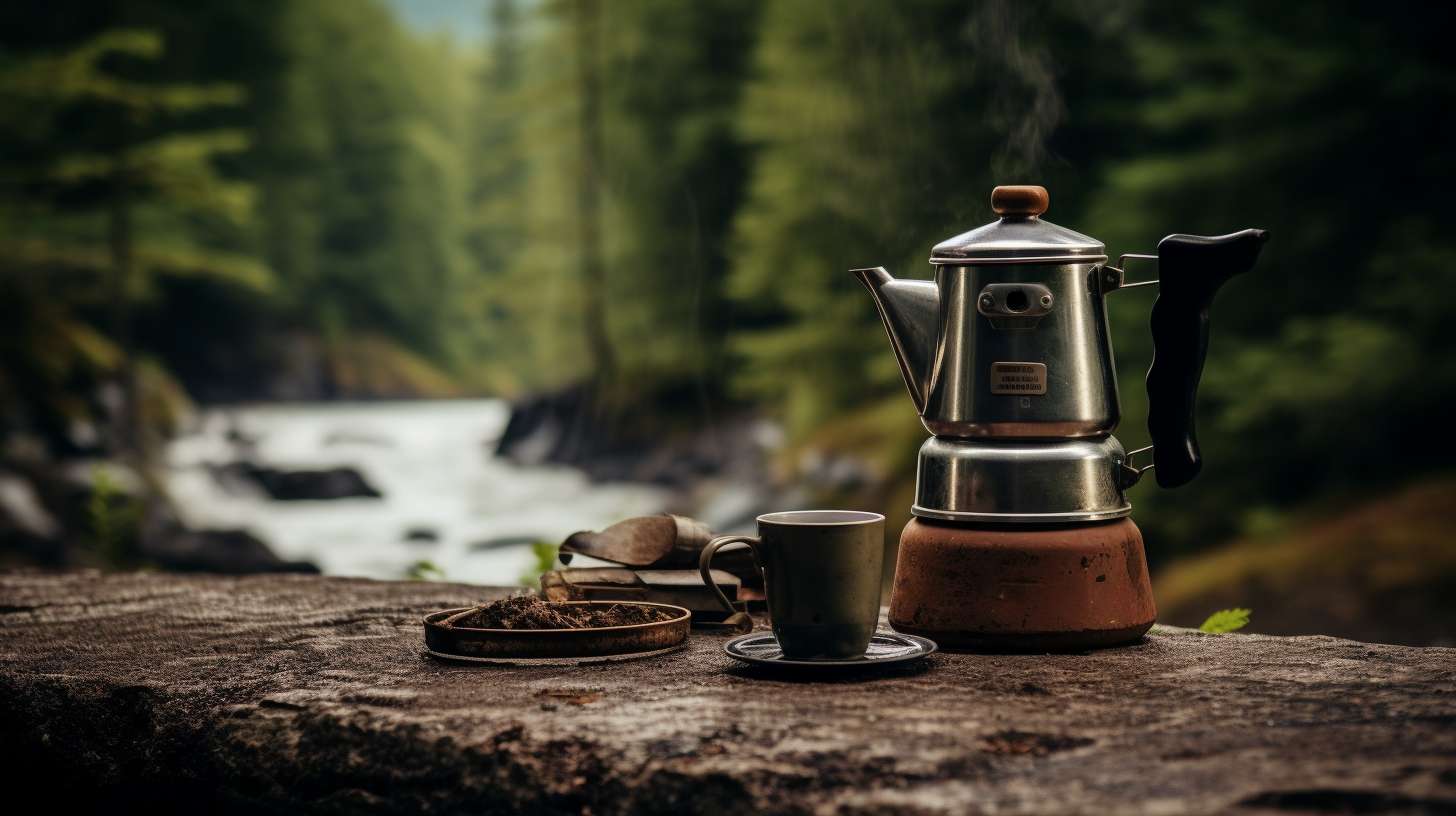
point(1020, 536)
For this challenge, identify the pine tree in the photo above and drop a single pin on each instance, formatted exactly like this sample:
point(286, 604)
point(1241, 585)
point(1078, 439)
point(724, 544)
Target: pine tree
point(496, 219)
point(872, 144)
point(678, 174)
point(364, 189)
point(1333, 351)
point(120, 189)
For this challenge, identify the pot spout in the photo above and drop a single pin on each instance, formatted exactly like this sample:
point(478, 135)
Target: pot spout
point(910, 311)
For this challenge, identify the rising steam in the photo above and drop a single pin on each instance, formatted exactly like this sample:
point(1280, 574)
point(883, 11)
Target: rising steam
point(1024, 98)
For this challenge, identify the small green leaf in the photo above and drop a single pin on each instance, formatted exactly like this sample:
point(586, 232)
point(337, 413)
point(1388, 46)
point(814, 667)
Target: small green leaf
point(115, 520)
point(545, 553)
point(424, 571)
point(1226, 620)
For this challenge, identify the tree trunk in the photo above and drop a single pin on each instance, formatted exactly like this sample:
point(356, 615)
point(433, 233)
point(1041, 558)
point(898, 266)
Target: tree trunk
point(587, 19)
point(127, 432)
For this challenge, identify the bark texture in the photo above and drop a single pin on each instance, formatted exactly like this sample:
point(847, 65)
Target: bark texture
point(290, 692)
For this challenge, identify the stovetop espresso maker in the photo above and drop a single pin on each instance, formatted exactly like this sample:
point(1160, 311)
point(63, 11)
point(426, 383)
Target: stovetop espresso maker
point(1021, 537)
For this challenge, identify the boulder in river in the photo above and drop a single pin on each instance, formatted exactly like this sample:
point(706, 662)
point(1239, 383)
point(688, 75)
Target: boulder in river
point(663, 435)
point(301, 485)
point(504, 542)
point(27, 528)
point(167, 543)
point(232, 552)
point(421, 534)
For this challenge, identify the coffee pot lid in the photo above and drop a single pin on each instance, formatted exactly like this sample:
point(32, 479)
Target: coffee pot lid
point(1020, 236)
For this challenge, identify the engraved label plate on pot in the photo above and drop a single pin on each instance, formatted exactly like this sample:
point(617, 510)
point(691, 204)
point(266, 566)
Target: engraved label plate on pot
point(1018, 378)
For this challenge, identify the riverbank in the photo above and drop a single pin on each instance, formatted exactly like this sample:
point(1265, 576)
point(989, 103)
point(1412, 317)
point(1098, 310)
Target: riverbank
point(443, 496)
point(377, 489)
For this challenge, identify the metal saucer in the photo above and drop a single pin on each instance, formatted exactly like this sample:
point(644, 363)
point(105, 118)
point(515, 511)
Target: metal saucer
point(886, 648)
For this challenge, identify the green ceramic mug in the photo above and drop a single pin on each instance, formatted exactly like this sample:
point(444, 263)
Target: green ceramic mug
point(821, 574)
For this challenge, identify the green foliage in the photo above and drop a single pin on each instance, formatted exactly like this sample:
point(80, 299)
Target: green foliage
point(677, 173)
point(495, 220)
point(112, 186)
point(362, 181)
point(1330, 357)
point(1224, 621)
point(114, 520)
point(411, 212)
point(845, 176)
point(424, 570)
point(545, 553)
point(1380, 569)
point(673, 174)
point(878, 130)
point(133, 143)
point(60, 79)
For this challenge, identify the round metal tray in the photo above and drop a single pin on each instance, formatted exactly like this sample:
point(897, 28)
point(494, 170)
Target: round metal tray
point(527, 644)
point(537, 662)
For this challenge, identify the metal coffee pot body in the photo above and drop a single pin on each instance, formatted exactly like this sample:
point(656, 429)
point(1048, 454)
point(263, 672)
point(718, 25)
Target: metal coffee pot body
point(1008, 358)
point(1004, 350)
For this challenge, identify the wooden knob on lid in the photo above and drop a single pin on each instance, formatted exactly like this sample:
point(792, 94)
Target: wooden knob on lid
point(1019, 200)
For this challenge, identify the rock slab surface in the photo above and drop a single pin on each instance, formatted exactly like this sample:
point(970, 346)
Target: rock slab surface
point(172, 693)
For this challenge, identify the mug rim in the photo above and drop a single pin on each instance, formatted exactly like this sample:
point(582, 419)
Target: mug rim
point(782, 518)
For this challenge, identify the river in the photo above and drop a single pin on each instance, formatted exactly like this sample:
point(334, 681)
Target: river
point(446, 498)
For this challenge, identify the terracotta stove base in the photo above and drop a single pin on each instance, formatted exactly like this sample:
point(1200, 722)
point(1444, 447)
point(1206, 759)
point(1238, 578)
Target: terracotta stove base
point(1010, 588)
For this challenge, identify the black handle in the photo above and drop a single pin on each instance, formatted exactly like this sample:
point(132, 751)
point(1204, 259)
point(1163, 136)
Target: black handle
point(1191, 268)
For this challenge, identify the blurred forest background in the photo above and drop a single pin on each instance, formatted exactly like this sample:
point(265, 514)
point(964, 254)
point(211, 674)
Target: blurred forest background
point(651, 205)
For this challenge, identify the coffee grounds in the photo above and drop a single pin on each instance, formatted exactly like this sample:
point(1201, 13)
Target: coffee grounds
point(530, 612)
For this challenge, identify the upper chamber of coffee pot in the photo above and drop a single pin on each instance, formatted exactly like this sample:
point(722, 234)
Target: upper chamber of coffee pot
point(1010, 339)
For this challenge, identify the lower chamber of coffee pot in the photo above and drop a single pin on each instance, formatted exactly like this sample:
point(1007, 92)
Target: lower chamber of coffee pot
point(1018, 588)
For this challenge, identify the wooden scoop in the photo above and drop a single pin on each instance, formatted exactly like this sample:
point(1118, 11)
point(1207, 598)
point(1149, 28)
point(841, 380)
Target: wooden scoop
point(663, 541)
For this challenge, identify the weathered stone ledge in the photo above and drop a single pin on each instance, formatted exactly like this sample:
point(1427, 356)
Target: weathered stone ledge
point(290, 692)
